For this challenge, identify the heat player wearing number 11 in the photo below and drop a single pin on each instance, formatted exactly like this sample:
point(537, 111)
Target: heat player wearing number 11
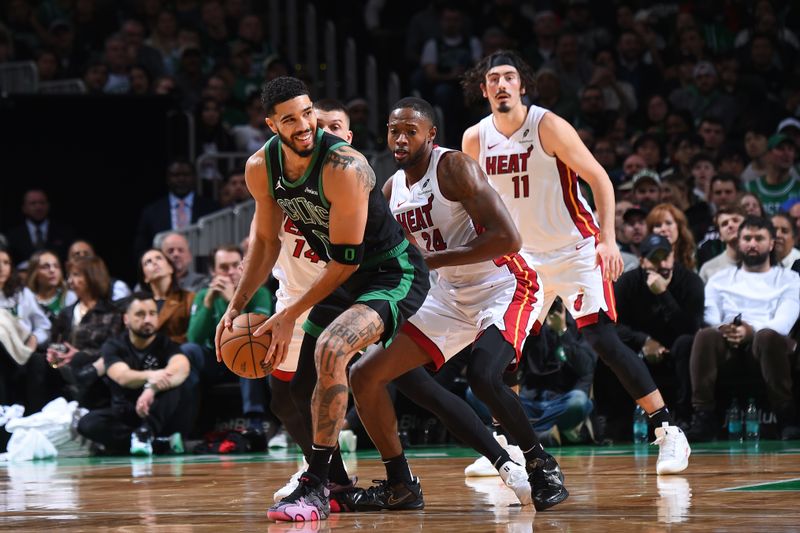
point(533, 158)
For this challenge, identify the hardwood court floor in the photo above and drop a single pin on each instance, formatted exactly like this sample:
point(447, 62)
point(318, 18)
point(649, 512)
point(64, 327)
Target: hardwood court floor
point(726, 488)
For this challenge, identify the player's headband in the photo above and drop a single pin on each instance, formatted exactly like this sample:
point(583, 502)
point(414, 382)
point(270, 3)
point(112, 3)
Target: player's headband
point(502, 59)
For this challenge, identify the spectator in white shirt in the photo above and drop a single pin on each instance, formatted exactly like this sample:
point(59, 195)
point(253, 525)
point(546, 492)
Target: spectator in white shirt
point(750, 310)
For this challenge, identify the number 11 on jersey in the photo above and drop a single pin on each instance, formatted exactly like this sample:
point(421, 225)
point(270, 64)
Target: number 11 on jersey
point(521, 188)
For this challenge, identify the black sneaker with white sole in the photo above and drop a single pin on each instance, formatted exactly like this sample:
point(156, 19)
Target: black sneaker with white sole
point(396, 496)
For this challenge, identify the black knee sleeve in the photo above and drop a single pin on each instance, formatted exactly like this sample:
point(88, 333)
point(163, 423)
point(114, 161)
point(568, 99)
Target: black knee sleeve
point(631, 371)
point(456, 415)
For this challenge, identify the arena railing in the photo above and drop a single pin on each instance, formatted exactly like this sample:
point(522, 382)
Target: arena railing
point(19, 77)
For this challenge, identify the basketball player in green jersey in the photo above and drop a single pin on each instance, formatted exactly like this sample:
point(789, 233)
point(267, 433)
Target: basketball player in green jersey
point(327, 189)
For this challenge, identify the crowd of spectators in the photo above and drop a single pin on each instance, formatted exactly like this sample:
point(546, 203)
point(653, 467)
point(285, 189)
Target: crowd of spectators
point(693, 109)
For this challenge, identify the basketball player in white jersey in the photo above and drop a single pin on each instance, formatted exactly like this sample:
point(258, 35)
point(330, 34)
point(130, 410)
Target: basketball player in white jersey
point(533, 159)
point(484, 293)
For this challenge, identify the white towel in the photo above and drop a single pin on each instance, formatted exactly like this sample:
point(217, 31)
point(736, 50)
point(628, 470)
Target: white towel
point(12, 337)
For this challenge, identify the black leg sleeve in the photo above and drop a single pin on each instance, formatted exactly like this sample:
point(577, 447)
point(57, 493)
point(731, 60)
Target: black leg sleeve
point(491, 355)
point(457, 416)
point(631, 371)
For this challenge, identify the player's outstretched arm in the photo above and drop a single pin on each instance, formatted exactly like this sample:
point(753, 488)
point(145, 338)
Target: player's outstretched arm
point(559, 138)
point(462, 180)
point(264, 243)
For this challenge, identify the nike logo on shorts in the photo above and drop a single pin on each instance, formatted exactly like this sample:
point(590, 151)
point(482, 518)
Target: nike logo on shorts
point(580, 245)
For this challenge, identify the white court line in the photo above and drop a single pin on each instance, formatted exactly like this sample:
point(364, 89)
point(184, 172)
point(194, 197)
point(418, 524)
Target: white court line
point(756, 485)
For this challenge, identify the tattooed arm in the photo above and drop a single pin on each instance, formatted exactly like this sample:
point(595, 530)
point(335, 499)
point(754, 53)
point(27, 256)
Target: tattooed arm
point(347, 180)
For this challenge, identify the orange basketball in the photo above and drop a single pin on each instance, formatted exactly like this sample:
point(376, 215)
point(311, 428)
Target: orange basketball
point(242, 353)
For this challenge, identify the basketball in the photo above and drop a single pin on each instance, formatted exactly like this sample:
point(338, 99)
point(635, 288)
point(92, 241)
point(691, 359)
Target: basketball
point(242, 353)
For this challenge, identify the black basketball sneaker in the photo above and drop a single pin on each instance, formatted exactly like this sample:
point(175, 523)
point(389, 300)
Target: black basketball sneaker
point(397, 496)
point(547, 483)
point(342, 496)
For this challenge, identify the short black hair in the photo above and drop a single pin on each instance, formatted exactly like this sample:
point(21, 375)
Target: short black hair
point(730, 178)
point(331, 104)
point(423, 107)
point(756, 222)
point(140, 296)
point(702, 156)
point(690, 137)
point(713, 119)
point(280, 90)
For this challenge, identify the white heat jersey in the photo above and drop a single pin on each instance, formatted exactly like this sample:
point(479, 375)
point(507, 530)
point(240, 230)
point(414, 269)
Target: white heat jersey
point(539, 190)
point(296, 268)
point(297, 265)
point(436, 223)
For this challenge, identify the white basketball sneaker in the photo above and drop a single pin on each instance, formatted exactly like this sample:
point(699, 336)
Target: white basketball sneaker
point(482, 467)
point(673, 450)
point(516, 478)
point(294, 481)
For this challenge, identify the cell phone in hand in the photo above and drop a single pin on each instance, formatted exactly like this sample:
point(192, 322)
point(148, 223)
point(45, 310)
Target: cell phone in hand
point(737, 320)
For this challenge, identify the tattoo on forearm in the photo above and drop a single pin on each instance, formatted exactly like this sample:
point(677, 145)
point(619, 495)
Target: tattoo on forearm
point(364, 173)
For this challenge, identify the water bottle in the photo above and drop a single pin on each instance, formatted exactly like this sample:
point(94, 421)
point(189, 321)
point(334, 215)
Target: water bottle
point(639, 425)
point(751, 420)
point(734, 421)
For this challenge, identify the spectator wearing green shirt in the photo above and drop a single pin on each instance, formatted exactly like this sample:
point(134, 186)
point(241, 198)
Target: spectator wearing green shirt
point(778, 185)
point(209, 305)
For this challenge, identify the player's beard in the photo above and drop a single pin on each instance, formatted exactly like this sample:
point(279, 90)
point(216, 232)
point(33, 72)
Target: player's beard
point(504, 106)
point(145, 332)
point(411, 159)
point(302, 153)
point(752, 260)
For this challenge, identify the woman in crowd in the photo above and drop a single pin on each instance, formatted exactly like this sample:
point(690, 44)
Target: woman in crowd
point(785, 252)
point(81, 248)
point(23, 315)
point(670, 222)
point(82, 328)
point(157, 273)
point(46, 281)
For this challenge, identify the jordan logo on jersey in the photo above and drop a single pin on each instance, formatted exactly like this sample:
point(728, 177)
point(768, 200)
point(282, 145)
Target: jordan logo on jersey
point(506, 163)
point(418, 218)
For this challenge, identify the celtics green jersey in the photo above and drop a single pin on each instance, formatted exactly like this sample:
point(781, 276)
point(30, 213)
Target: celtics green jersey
point(304, 201)
point(773, 196)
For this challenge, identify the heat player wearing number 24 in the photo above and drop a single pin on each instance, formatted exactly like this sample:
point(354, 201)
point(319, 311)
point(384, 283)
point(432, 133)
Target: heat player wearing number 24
point(485, 293)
